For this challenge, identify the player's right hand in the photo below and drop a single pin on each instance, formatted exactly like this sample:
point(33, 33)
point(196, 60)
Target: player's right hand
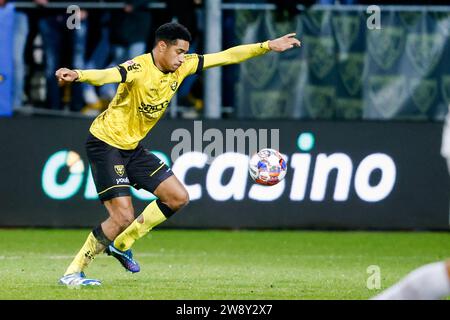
point(66, 75)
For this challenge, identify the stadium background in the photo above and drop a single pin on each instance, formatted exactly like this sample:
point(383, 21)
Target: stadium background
point(361, 95)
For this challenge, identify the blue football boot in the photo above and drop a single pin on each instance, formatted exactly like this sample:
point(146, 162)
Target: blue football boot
point(125, 258)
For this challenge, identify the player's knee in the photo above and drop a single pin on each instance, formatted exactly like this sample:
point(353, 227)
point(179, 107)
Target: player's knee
point(179, 200)
point(126, 215)
point(123, 213)
point(185, 199)
point(125, 220)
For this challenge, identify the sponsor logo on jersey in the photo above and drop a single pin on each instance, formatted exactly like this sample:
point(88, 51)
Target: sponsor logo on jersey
point(134, 66)
point(122, 180)
point(148, 108)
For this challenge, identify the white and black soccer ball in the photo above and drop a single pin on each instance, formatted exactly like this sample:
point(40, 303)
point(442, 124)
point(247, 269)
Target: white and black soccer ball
point(267, 167)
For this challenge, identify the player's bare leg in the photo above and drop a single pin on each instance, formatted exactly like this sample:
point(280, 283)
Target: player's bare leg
point(172, 196)
point(121, 215)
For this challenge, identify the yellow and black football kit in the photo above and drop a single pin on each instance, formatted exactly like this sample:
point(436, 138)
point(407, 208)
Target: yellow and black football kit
point(117, 158)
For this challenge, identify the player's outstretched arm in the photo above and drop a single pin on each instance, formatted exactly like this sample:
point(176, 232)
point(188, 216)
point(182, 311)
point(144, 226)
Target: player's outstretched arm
point(95, 77)
point(243, 52)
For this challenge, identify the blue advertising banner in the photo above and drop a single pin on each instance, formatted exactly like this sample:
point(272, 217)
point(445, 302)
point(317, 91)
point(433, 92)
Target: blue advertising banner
point(6, 59)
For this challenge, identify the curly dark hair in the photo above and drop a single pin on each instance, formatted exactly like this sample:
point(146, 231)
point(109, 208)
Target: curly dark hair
point(171, 32)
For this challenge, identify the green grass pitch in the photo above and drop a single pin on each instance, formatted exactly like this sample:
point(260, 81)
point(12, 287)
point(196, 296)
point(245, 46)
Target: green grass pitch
point(219, 265)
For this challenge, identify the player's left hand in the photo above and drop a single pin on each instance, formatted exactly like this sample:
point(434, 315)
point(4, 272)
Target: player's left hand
point(284, 43)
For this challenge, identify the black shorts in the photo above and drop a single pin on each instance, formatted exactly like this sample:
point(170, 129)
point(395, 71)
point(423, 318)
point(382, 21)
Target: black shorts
point(115, 170)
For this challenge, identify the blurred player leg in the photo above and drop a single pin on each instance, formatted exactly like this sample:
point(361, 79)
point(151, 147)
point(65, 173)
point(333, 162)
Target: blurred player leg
point(429, 282)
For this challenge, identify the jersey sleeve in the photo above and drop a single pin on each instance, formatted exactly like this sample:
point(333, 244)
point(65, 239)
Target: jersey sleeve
point(193, 64)
point(124, 72)
point(132, 69)
point(98, 77)
point(236, 54)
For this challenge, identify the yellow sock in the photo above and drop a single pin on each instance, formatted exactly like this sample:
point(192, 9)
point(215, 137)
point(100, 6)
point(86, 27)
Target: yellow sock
point(87, 253)
point(148, 219)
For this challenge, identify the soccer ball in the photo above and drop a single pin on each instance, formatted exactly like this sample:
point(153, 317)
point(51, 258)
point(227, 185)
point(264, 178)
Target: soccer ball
point(267, 167)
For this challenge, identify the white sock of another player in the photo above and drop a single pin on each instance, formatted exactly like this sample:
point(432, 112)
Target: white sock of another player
point(429, 282)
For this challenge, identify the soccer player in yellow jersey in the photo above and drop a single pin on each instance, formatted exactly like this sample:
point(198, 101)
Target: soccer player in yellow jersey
point(118, 159)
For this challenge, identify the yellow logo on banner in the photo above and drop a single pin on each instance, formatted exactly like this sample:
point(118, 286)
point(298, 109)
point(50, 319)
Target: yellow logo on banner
point(315, 19)
point(120, 169)
point(320, 55)
point(259, 71)
point(443, 21)
point(320, 101)
point(423, 92)
point(346, 27)
point(410, 19)
point(386, 45)
point(245, 20)
point(269, 104)
point(425, 51)
point(351, 71)
point(284, 26)
point(445, 88)
point(349, 109)
point(291, 72)
point(387, 93)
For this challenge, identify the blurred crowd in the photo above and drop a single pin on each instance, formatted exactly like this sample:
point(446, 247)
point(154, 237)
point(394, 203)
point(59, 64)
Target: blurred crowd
point(46, 39)
point(44, 42)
